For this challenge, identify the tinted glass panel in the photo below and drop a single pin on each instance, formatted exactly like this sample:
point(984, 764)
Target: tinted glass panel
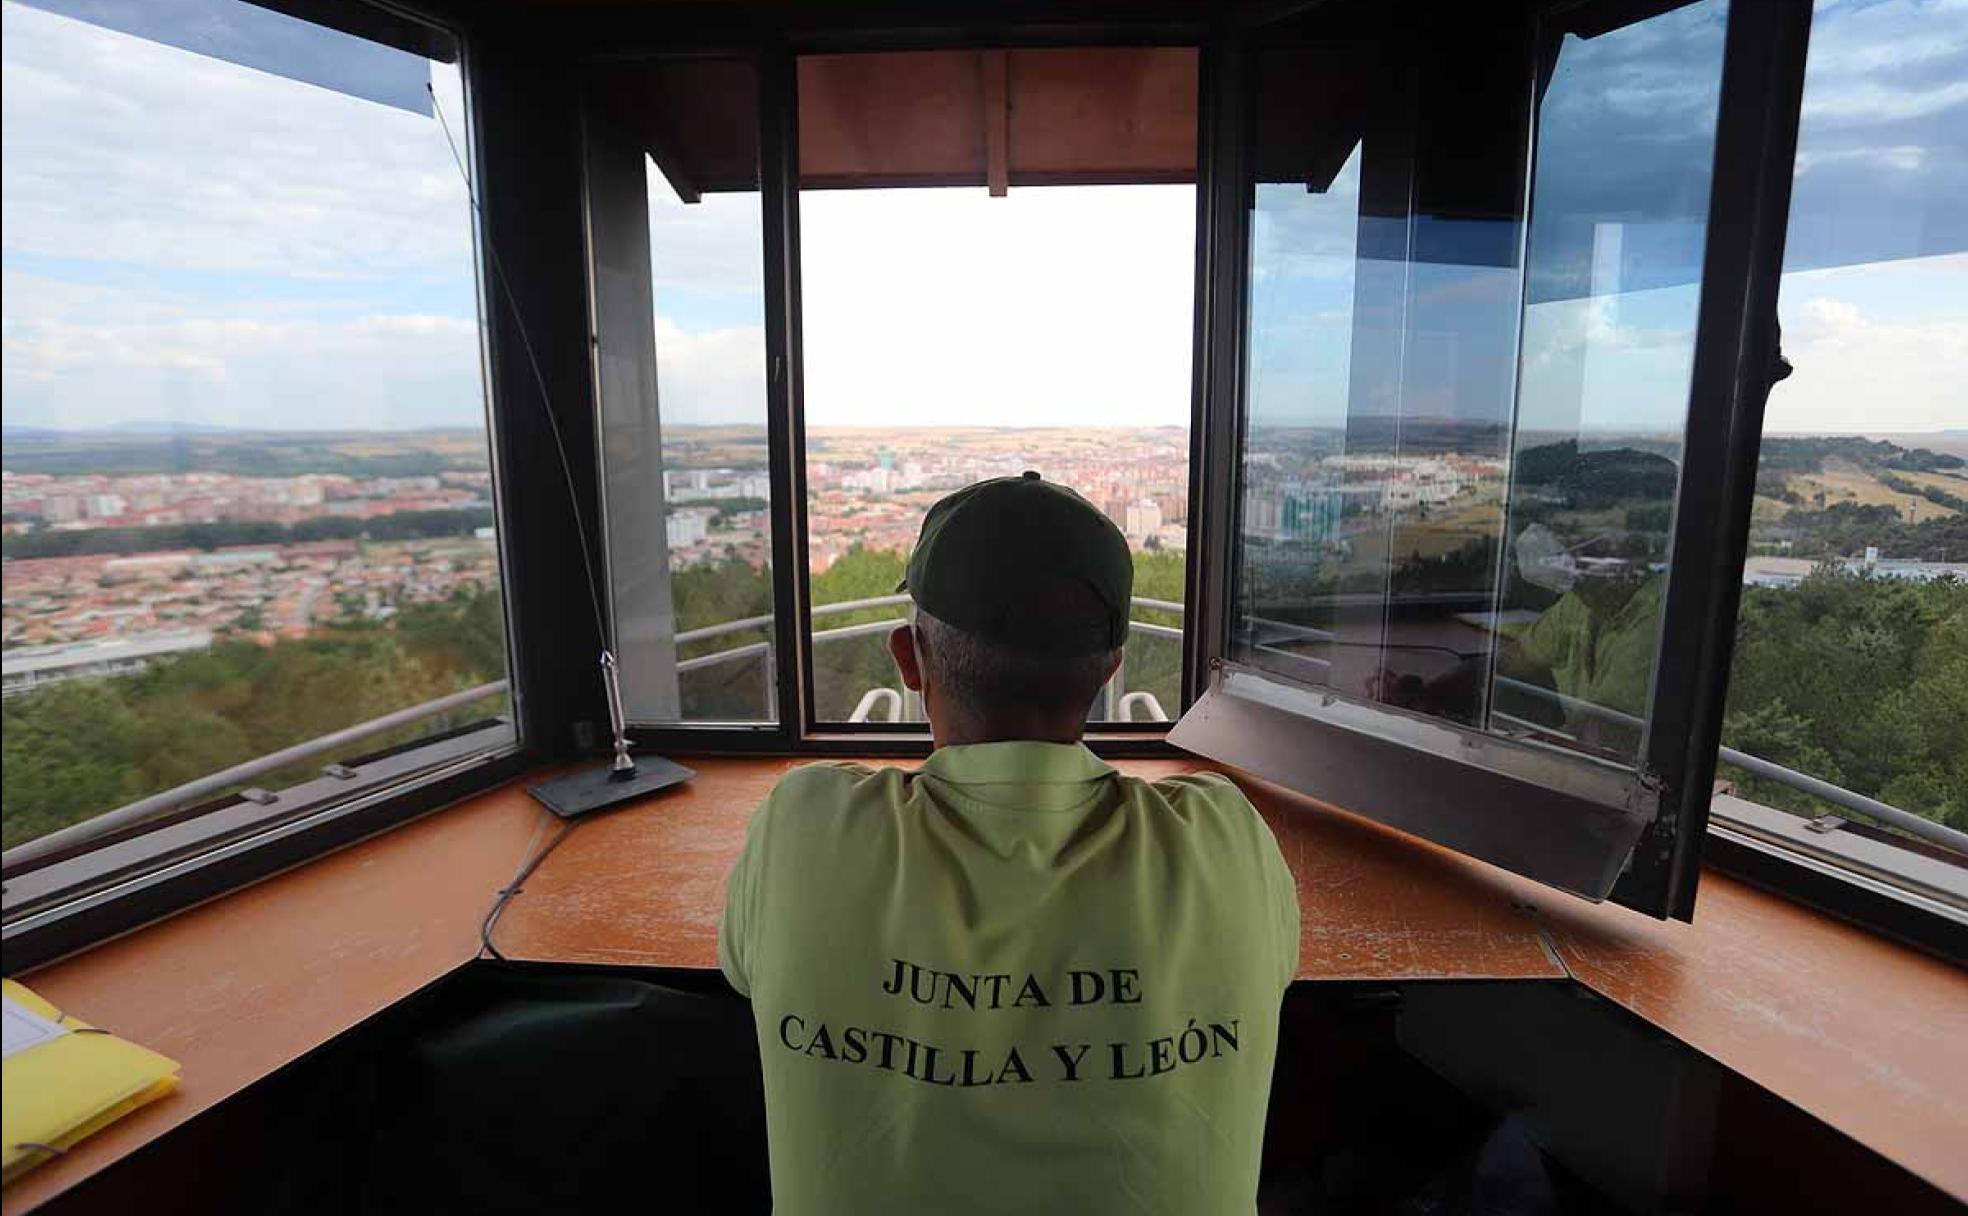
point(1619, 210)
point(1465, 406)
point(247, 495)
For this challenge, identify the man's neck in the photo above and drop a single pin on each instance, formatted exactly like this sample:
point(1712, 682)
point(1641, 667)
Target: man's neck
point(963, 734)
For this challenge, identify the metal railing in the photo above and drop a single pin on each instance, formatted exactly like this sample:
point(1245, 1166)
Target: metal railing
point(1883, 813)
point(1118, 704)
point(200, 789)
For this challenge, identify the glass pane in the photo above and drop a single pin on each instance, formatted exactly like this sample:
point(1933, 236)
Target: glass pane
point(247, 494)
point(950, 336)
point(1619, 213)
point(678, 243)
point(1463, 430)
point(1851, 655)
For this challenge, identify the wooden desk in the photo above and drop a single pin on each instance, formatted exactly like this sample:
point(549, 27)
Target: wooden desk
point(1868, 1036)
point(646, 888)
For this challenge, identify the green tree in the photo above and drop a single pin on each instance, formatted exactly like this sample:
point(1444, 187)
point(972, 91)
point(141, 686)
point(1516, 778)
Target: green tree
point(75, 749)
point(1860, 681)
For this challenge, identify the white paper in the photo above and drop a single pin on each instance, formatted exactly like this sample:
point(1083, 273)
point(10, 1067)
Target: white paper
point(25, 1028)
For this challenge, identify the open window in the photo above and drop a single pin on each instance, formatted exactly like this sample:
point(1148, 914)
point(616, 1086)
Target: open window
point(1496, 367)
point(828, 289)
point(1844, 758)
point(996, 249)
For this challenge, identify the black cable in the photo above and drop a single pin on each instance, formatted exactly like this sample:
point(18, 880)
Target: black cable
point(533, 361)
point(514, 887)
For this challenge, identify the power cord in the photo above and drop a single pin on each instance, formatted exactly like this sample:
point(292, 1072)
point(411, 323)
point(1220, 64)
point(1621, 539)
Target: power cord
point(518, 883)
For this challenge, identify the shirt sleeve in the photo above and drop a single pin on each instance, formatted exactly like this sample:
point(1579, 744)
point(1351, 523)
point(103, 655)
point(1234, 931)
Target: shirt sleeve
point(740, 905)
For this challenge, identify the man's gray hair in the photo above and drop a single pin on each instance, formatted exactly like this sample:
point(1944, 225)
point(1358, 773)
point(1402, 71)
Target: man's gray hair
point(987, 677)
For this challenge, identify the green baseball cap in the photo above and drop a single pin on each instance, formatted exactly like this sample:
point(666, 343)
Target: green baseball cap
point(989, 550)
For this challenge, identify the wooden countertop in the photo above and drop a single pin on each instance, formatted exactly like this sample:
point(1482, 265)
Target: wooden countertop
point(1866, 1035)
point(646, 888)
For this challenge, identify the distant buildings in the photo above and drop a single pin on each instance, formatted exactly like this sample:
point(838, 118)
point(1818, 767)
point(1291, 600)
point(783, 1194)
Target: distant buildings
point(95, 500)
point(686, 528)
point(284, 590)
point(1790, 571)
point(30, 667)
point(1308, 501)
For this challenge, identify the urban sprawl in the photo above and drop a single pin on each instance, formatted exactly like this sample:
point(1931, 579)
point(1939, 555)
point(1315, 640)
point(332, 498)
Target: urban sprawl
point(98, 613)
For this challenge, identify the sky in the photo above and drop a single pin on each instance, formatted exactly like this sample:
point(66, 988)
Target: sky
point(186, 240)
point(183, 239)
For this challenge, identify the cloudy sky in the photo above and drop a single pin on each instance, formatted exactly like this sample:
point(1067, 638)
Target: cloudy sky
point(186, 240)
point(193, 241)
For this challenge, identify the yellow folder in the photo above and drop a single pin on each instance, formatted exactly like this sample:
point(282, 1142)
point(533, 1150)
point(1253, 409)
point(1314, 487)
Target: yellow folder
point(61, 1089)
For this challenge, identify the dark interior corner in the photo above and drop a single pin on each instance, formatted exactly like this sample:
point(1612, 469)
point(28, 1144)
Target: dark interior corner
point(514, 1088)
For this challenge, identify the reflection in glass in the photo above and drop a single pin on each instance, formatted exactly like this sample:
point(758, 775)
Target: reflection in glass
point(1463, 431)
point(1619, 208)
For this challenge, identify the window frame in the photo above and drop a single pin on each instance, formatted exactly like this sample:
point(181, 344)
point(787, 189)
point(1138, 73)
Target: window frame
point(1756, 131)
point(797, 729)
point(95, 888)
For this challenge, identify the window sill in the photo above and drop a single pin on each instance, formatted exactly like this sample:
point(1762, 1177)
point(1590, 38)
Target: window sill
point(141, 876)
point(1875, 884)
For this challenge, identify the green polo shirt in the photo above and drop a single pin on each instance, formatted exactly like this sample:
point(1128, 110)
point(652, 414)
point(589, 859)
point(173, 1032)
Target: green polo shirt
point(1012, 981)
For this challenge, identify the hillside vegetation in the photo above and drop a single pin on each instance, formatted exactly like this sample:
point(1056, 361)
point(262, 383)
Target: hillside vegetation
point(1833, 496)
point(1861, 681)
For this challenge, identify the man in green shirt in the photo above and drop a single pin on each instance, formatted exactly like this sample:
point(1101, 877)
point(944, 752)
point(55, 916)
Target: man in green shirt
point(1013, 980)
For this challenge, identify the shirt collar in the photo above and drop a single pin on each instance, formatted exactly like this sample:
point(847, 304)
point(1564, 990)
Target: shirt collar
point(1033, 773)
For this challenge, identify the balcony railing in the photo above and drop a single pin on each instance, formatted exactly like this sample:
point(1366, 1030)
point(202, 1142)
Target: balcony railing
point(899, 705)
point(1118, 704)
point(158, 806)
point(1273, 635)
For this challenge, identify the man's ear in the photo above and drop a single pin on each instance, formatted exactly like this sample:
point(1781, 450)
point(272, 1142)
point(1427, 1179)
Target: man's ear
point(902, 648)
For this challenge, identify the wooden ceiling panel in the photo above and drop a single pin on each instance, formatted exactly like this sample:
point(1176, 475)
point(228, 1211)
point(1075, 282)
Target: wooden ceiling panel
point(997, 118)
point(910, 118)
point(1103, 114)
point(1077, 115)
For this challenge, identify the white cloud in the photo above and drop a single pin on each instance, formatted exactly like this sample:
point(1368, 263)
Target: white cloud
point(714, 245)
point(80, 357)
point(1858, 370)
point(1873, 62)
point(712, 376)
point(190, 240)
point(123, 150)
